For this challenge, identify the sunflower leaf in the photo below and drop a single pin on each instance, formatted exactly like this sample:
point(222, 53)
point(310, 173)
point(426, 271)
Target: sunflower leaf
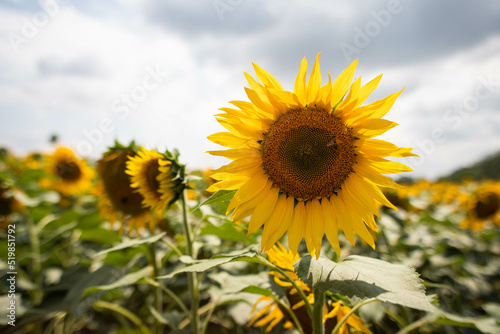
point(220, 200)
point(129, 279)
point(365, 278)
point(249, 255)
point(133, 243)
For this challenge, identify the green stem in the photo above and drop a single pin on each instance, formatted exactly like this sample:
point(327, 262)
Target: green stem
point(354, 309)
point(124, 312)
point(317, 318)
point(415, 325)
point(193, 284)
point(289, 309)
point(172, 295)
point(292, 281)
point(158, 292)
point(36, 264)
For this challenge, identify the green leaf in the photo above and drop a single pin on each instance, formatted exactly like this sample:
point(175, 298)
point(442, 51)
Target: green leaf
point(227, 231)
point(484, 324)
point(126, 280)
point(249, 255)
point(99, 234)
point(257, 290)
point(133, 243)
point(220, 200)
point(365, 278)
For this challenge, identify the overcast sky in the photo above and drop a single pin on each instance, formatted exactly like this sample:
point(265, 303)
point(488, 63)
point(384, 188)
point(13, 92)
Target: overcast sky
point(157, 71)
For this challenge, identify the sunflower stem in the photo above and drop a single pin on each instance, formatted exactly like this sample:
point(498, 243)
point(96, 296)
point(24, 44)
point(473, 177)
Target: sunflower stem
point(291, 280)
point(354, 309)
point(36, 264)
point(158, 290)
point(317, 318)
point(193, 284)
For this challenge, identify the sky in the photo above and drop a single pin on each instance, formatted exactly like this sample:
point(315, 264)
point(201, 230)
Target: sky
point(157, 72)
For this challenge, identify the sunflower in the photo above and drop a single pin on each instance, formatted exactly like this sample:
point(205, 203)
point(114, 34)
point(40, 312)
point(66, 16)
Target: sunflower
point(306, 161)
point(483, 205)
point(9, 204)
point(153, 176)
point(118, 201)
point(68, 174)
point(272, 314)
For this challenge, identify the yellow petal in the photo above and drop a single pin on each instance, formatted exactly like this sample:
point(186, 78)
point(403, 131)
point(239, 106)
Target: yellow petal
point(263, 210)
point(314, 82)
point(331, 224)
point(300, 83)
point(341, 84)
point(266, 78)
point(296, 230)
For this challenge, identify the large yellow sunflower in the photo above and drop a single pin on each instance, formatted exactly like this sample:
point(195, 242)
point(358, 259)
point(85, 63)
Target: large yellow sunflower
point(68, 174)
point(306, 161)
point(152, 175)
point(118, 201)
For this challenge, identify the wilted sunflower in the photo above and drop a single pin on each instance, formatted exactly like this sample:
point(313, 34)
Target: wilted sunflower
point(306, 161)
point(483, 205)
point(272, 313)
point(118, 200)
point(156, 177)
point(68, 174)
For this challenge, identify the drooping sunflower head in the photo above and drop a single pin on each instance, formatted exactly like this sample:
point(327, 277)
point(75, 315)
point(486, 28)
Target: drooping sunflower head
point(118, 200)
point(157, 177)
point(482, 206)
point(306, 161)
point(68, 174)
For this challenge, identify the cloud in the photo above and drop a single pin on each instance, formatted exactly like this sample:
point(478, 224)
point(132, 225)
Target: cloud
point(81, 66)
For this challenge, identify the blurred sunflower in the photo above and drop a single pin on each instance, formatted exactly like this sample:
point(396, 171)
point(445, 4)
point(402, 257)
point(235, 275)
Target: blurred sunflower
point(68, 174)
point(118, 201)
point(482, 205)
point(272, 313)
point(9, 204)
point(155, 177)
point(306, 161)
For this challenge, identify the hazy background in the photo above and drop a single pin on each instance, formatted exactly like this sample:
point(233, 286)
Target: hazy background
point(157, 71)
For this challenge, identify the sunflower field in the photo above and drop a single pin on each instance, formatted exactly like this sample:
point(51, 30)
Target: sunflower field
point(301, 232)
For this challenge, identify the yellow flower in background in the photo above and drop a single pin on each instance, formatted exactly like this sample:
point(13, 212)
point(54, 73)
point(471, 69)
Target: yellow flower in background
point(306, 161)
point(68, 174)
point(151, 175)
point(272, 314)
point(338, 312)
point(118, 201)
point(483, 205)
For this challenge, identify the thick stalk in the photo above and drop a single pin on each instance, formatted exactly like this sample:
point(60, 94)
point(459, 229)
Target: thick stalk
point(193, 284)
point(317, 319)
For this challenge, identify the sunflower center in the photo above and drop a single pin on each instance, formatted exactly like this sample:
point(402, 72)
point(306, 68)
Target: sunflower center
point(487, 206)
point(67, 170)
point(308, 153)
point(151, 176)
